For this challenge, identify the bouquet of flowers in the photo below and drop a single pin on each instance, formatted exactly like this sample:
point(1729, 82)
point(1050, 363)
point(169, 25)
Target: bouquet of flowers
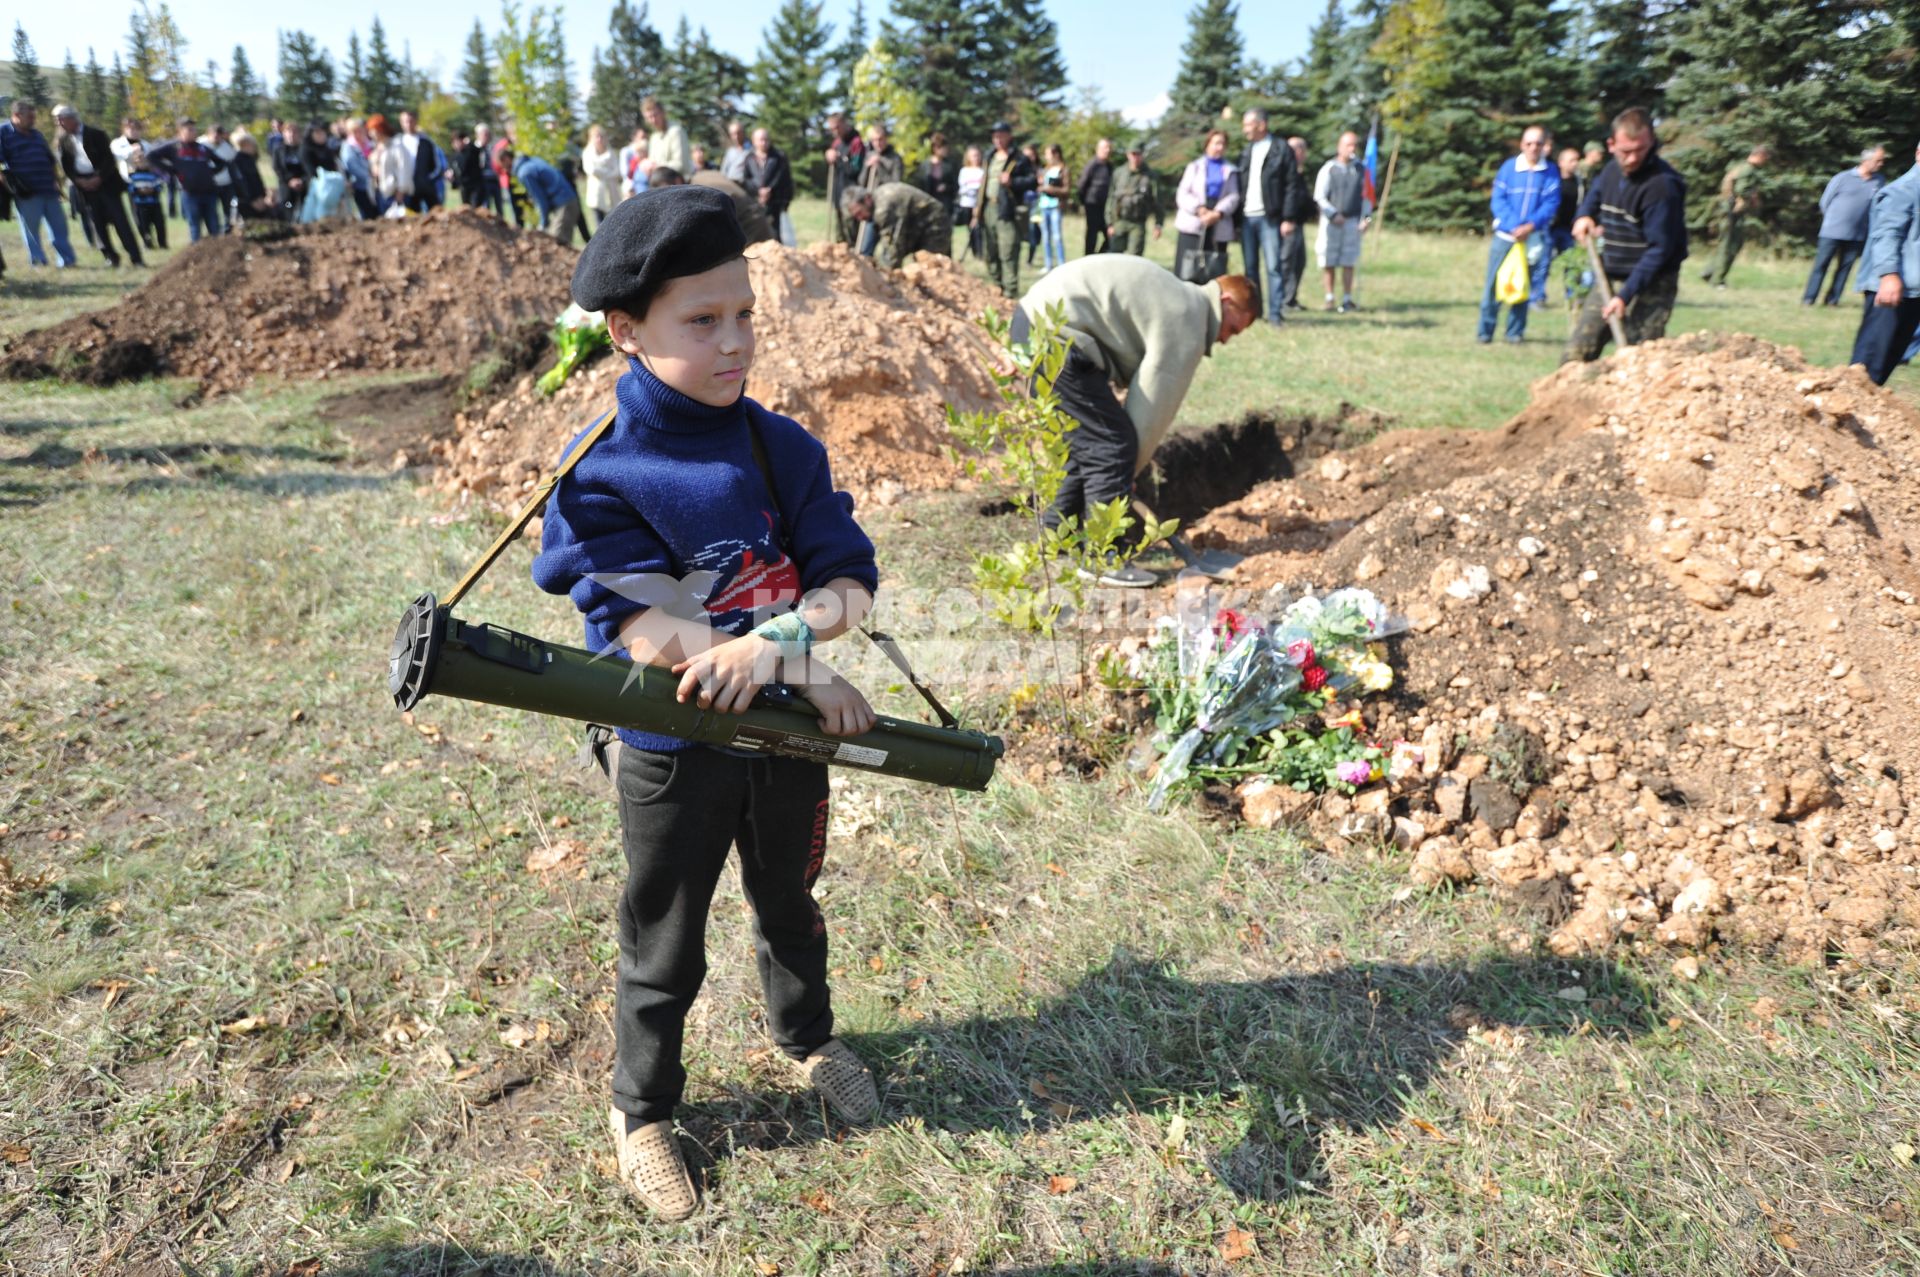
point(578, 335)
point(1229, 692)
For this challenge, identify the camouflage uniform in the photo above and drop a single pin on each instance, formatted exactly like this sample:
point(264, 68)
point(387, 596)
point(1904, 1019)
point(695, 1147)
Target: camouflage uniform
point(1135, 200)
point(907, 220)
point(1739, 195)
point(1645, 320)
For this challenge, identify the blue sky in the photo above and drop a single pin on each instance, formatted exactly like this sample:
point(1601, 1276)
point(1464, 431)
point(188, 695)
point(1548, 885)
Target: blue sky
point(1130, 49)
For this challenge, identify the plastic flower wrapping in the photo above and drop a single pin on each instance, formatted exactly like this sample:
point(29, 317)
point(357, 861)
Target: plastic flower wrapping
point(1233, 693)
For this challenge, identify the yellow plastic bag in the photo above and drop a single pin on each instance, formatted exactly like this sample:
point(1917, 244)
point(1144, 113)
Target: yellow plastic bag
point(1512, 285)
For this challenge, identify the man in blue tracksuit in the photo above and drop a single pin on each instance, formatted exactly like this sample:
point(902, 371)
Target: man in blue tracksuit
point(1890, 277)
point(552, 194)
point(1526, 195)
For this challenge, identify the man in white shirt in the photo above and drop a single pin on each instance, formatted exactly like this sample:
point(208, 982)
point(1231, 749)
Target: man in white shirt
point(125, 145)
point(1271, 209)
point(734, 163)
point(666, 142)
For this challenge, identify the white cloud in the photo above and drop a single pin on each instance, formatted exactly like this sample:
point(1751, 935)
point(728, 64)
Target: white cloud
point(1143, 115)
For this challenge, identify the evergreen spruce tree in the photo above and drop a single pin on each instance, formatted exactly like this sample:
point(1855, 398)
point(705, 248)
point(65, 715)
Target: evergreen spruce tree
point(1459, 100)
point(789, 79)
point(626, 71)
point(478, 99)
point(700, 86)
point(217, 104)
point(1817, 82)
point(1625, 61)
point(1212, 64)
point(952, 47)
point(70, 83)
point(1037, 74)
point(306, 78)
point(122, 93)
point(29, 83)
point(244, 90)
point(1328, 92)
point(96, 96)
point(353, 76)
point(384, 85)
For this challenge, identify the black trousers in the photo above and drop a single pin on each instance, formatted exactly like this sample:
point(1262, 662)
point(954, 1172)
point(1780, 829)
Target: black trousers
point(1842, 253)
point(109, 211)
point(1102, 451)
point(1885, 333)
point(679, 814)
point(1096, 240)
point(1293, 252)
point(151, 222)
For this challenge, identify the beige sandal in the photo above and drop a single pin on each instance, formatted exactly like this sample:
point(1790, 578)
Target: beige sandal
point(843, 1082)
point(653, 1168)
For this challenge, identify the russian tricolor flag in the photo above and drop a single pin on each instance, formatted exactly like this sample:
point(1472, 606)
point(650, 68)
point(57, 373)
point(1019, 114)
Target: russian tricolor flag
point(1371, 163)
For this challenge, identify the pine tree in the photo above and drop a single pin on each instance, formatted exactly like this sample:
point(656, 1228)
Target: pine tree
point(1817, 82)
point(96, 101)
point(1624, 63)
point(478, 100)
point(244, 90)
point(353, 76)
point(384, 80)
point(122, 91)
point(1037, 74)
point(1329, 92)
point(306, 78)
point(628, 70)
point(1212, 63)
point(950, 45)
point(70, 83)
point(176, 93)
point(1460, 101)
point(852, 47)
point(29, 84)
point(700, 86)
point(217, 103)
point(789, 80)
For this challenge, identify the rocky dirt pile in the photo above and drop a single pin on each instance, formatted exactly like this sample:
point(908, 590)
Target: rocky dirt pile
point(1665, 660)
point(433, 293)
point(866, 359)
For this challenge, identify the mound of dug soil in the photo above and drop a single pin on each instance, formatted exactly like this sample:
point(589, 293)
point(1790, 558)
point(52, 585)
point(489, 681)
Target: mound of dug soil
point(866, 359)
point(1666, 654)
point(434, 293)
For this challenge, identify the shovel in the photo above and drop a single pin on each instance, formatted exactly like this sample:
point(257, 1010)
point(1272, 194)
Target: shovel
point(1606, 294)
point(1217, 564)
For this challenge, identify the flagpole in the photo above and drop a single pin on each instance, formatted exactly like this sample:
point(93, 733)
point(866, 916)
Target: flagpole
point(1370, 158)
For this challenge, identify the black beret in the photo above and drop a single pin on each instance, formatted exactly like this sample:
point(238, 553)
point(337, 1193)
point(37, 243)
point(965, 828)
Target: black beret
point(1001, 126)
point(652, 238)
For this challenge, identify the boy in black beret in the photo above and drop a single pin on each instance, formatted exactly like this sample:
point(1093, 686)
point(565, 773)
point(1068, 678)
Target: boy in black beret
point(704, 533)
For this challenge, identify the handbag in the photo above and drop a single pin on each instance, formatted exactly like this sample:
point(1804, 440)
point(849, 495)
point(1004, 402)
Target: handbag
point(1201, 262)
point(1513, 282)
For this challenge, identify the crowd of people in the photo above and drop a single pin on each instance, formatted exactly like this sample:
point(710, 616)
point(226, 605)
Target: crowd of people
point(1004, 202)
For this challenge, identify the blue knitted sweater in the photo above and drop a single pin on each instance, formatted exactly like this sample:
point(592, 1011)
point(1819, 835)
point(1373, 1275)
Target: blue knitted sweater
point(669, 509)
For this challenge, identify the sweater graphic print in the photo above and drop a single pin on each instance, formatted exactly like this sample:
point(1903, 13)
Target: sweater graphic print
point(671, 510)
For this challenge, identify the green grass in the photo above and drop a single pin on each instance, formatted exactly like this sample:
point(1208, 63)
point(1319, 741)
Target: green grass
point(254, 1014)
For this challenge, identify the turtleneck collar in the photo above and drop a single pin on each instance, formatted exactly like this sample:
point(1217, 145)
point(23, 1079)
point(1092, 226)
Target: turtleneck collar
point(652, 404)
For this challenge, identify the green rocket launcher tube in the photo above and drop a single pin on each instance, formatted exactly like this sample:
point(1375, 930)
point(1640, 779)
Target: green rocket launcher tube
point(437, 654)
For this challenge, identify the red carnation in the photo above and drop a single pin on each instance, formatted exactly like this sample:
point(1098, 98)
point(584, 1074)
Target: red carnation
point(1314, 677)
point(1229, 623)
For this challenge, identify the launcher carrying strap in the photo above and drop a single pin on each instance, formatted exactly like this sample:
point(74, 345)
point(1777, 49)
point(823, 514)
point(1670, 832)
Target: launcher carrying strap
point(538, 501)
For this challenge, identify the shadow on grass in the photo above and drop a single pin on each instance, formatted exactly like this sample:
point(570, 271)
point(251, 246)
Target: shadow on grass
point(444, 1260)
point(57, 456)
point(1280, 1060)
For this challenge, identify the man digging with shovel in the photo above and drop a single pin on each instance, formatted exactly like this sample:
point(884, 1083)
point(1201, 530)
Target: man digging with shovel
point(1131, 323)
point(1638, 206)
